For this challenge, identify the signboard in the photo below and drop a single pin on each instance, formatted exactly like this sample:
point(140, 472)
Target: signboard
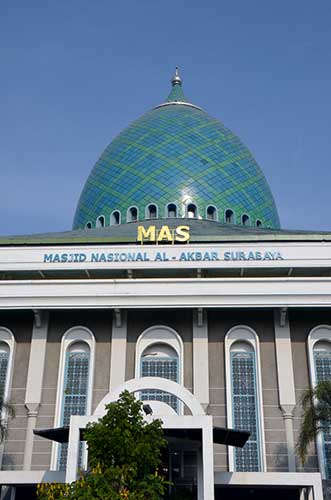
point(153, 256)
point(179, 234)
point(198, 255)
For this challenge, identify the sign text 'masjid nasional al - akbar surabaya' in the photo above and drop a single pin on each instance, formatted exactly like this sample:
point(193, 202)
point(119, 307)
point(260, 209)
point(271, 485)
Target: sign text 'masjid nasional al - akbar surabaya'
point(162, 256)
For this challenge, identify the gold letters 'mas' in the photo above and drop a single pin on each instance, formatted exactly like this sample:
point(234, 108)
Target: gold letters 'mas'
point(163, 235)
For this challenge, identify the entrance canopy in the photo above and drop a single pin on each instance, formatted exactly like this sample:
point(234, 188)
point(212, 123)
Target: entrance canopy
point(221, 435)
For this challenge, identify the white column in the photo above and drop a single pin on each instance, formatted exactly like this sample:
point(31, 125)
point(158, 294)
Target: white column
point(73, 449)
point(208, 459)
point(35, 380)
point(285, 376)
point(118, 349)
point(199, 474)
point(200, 357)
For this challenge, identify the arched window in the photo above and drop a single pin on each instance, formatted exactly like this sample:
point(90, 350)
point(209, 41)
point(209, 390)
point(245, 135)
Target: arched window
point(319, 348)
point(229, 216)
point(115, 218)
point(244, 398)
point(74, 386)
point(100, 221)
point(88, 225)
point(151, 211)
point(258, 223)
point(7, 347)
point(132, 215)
point(211, 213)
point(171, 210)
point(159, 354)
point(191, 211)
point(245, 220)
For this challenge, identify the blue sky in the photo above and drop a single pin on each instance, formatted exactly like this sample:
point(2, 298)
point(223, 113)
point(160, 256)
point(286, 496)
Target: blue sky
point(74, 73)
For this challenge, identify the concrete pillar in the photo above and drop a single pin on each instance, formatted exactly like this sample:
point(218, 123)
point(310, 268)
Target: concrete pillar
point(200, 357)
point(208, 460)
point(35, 380)
point(118, 349)
point(286, 390)
point(199, 475)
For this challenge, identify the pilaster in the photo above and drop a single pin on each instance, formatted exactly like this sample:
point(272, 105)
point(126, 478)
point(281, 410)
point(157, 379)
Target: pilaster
point(35, 380)
point(118, 349)
point(286, 388)
point(200, 357)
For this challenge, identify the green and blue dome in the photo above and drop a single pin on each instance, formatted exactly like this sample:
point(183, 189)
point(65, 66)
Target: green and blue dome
point(176, 161)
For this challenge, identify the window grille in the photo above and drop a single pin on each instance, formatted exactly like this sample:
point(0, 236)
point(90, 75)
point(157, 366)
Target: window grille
point(4, 358)
point(160, 367)
point(244, 408)
point(322, 361)
point(75, 396)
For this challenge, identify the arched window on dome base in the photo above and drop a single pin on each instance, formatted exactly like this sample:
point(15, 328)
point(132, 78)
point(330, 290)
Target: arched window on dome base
point(245, 220)
point(115, 218)
point(132, 215)
point(211, 212)
point(192, 211)
point(229, 216)
point(151, 211)
point(101, 221)
point(88, 225)
point(258, 223)
point(171, 211)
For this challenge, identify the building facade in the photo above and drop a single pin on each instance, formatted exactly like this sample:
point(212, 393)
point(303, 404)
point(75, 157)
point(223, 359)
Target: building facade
point(177, 283)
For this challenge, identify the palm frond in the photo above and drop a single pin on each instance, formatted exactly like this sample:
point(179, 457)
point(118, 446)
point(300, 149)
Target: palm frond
point(316, 416)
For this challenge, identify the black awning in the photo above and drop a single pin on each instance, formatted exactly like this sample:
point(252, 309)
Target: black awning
point(228, 437)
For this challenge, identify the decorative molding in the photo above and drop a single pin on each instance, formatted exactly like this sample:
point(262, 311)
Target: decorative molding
point(166, 293)
point(147, 383)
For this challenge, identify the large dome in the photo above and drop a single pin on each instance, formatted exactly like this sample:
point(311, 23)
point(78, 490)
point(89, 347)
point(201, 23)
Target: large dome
point(176, 161)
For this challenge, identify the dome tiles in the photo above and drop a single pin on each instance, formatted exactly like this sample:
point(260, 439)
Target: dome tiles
point(177, 154)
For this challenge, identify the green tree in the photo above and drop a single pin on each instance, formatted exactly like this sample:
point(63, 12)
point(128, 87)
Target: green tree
point(124, 458)
point(316, 417)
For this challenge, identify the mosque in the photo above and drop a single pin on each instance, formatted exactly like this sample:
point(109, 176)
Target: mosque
point(178, 284)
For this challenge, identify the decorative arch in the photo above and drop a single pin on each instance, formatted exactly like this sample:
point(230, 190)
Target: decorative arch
point(229, 216)
point(80, 336)
point(211, 212)
point(7, 340)
point(320, 369)
point(245, 220)
point(101, 221)
point(132, 214)
point(151, 211)
point(149, 383)
point(159, 353)
point(115, 218)
point(235, 341)
point(192, 211)
point(160, 334)
point(171, 210)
